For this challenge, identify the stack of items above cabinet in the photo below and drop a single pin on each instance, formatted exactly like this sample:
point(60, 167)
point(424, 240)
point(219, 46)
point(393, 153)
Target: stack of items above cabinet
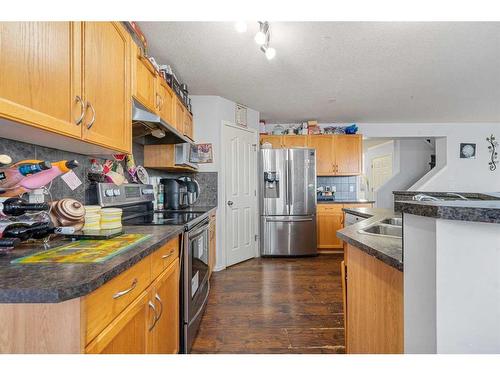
point(336, 154)
point(154, 93)
point(69, 81)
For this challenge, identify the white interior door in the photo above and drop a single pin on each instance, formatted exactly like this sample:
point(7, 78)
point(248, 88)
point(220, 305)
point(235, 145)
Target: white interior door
point(381, 171)
point(240, 153)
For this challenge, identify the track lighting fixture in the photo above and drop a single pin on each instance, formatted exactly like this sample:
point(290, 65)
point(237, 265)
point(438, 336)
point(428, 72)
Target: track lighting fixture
point(262, 37)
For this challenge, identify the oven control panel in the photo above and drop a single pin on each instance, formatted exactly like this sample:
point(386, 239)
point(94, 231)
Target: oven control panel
point(108, 194)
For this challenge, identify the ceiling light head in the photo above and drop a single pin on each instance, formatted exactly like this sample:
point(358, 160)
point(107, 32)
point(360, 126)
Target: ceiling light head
point(263, 34)
point(270, 53)
point(241, 26)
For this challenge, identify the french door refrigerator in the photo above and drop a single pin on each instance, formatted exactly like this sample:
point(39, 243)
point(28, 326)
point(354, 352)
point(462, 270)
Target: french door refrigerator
point(287, 180)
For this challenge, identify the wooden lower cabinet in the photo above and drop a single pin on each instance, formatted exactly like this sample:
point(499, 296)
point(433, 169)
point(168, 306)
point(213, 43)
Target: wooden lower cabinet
point(149, 325)
point(127, 334)
point(163, 337)
point(374, 308)
point(330, 219)
point(137, 312)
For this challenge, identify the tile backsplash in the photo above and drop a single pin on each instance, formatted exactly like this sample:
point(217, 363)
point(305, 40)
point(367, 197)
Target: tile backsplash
point(346, 186)
point(20, 150)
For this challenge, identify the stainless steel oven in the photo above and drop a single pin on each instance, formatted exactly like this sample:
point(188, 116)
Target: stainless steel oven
point(195, 283)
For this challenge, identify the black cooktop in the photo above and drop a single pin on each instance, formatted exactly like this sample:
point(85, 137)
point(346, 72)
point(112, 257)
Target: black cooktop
point(164, 218)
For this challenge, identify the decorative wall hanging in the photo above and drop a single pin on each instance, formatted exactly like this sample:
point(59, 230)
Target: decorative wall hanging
point(493, 151)
point(201, 153)
point(467, 150)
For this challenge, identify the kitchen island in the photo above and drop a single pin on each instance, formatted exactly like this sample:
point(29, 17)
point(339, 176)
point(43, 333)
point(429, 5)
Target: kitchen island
point(372, 286)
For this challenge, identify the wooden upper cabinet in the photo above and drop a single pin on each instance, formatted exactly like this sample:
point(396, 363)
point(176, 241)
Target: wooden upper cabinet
point(325, 162)
point(188, 124)
point(348, 154)
point(291, 141)
point(275, 140)
point(179, 115)
point(106, 79)
point(144, 86)
point(40, 75)
point(163, 338)
point(166, 97)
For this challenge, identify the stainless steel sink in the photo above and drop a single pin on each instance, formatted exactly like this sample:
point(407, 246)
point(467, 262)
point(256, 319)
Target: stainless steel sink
point(393, 221)
point(384, 230)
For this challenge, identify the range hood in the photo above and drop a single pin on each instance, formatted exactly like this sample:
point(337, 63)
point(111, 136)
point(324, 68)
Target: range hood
point(149, 127)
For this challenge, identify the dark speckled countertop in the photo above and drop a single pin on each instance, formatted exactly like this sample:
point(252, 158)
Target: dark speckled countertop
point(387, 249)
point(483, 211)
point(57, 282)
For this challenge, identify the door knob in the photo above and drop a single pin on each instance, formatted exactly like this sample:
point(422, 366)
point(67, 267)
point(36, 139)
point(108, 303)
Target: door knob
point(229, 203)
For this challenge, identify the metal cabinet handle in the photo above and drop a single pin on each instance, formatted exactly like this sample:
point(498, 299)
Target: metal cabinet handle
point(168, 255)
point(89, 105)
point(82, 110)
point(123, 292)
point(155, 317)
point(157, 297)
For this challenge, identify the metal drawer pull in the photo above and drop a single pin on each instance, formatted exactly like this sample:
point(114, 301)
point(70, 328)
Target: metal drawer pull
point(155, 319)
point(168, 255)
point(93, 115)
point(157, 297)
point(123, 292)
point(82, 110)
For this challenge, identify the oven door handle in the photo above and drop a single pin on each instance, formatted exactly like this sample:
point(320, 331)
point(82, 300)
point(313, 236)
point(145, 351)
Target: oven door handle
point(200, 230)
point(203, 304)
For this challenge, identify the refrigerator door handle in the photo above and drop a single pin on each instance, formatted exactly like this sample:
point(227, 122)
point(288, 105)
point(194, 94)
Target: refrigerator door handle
point(290, 184)
point(268, 220)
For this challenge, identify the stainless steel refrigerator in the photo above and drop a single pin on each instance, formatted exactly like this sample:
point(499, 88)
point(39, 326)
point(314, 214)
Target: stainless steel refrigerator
point(287, 180)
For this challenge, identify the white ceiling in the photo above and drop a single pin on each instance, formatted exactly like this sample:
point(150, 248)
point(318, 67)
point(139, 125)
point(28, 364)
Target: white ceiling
point(342, 71)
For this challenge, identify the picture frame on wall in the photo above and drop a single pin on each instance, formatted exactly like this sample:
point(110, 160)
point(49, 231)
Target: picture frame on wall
point(241, 116)
point(201, 153)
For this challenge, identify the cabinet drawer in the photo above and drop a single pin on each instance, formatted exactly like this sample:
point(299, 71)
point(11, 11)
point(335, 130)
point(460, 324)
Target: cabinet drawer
point(164, 256)
point(329, 208)
point(104, 304)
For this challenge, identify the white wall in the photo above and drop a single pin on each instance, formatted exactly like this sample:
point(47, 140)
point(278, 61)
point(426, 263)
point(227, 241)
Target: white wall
point(209, 112)
point(465, 175)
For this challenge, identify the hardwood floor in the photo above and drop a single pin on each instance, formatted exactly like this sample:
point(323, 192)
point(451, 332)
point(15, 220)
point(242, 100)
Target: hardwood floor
point(275, 305)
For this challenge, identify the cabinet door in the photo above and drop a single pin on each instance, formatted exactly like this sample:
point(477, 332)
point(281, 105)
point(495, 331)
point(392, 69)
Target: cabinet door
point(167, 101)
point(324, 153)
point(127, 334)
point(106, 71)
point(330, 219)
point(348, 150)
point(188, 124)
point(291, 141)
point(275, 140)
point(164, 337)
point(40, 75)
point(179, 115)
point(144, 79)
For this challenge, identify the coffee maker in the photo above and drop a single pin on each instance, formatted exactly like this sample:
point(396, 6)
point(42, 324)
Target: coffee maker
point(180, 192)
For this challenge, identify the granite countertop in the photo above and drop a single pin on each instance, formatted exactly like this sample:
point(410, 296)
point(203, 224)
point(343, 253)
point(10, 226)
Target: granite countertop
point(387, 249)
point(483, 211)
point(345, 201)
point(57, 282)
point(446, 194)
